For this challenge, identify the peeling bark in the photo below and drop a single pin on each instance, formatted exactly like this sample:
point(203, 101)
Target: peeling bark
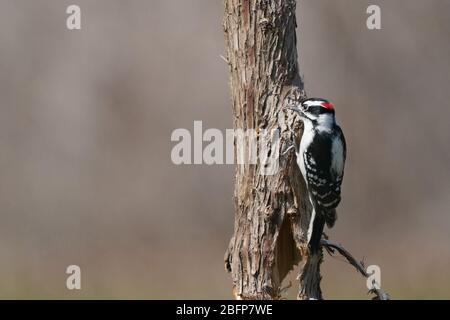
point(271, 211)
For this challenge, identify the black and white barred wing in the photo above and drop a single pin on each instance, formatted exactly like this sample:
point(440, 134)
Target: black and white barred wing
point(324, 168)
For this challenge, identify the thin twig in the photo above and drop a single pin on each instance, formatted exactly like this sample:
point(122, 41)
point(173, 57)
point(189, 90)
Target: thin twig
point(224, 59)
point(332, 247)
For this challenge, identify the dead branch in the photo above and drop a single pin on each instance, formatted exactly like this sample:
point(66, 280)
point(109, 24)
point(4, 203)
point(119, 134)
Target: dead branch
point(332, 247)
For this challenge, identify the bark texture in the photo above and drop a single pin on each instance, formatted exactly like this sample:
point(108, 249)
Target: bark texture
point(271, 211)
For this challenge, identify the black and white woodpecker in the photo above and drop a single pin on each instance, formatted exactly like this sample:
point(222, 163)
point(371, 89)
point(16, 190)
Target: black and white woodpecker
point(321, 158)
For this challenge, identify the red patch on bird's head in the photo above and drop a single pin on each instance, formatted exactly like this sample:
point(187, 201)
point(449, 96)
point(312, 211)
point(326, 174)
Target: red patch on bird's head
point(327, 105)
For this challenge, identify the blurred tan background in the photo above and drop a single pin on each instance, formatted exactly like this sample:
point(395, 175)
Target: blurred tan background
point(85, 123)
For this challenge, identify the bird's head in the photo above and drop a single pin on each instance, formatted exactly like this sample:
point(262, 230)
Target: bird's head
point(315, 109)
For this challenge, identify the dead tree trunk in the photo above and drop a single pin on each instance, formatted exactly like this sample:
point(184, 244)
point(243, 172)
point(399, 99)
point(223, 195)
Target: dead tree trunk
point(271, 211)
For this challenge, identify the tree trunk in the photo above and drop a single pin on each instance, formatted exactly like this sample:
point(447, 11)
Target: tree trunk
point(271, 211)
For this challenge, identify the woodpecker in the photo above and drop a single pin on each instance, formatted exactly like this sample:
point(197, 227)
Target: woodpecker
point(321, 159)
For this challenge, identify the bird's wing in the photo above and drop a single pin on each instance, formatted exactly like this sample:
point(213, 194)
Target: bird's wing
point(324, 185)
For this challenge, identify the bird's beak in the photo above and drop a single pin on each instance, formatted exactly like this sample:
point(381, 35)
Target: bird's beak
point(295, 109)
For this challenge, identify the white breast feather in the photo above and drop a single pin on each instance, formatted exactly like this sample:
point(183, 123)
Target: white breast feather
point(307, 137)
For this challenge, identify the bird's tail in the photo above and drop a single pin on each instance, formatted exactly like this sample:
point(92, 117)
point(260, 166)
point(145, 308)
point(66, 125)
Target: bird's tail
point(316, 234)
point(331, 217)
